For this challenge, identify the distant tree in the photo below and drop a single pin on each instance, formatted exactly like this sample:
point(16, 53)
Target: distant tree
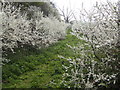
point(48, 8)
point(67, 14)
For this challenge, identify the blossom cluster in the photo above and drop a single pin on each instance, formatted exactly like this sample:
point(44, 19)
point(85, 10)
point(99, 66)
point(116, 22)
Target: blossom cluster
point(94, 67)
point(38, 31)
point(99, 25)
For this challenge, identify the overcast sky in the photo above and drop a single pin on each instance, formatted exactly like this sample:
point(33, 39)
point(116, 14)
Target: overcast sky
point(76, 5)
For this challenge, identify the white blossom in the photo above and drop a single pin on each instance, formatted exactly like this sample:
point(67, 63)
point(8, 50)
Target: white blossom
point(38, 31)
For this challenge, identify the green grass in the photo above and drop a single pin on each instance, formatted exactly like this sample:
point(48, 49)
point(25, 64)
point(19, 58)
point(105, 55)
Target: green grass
point(36, 68)
point(30, 68)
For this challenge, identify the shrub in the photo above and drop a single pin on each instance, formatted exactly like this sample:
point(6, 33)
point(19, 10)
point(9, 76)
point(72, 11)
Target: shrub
point(98, 62)
point(39, 31)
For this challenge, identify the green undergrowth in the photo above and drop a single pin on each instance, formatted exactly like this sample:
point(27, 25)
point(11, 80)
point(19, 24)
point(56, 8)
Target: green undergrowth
point(30, 68)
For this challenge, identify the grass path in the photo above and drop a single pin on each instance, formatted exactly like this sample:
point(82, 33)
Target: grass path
point(34, 69)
